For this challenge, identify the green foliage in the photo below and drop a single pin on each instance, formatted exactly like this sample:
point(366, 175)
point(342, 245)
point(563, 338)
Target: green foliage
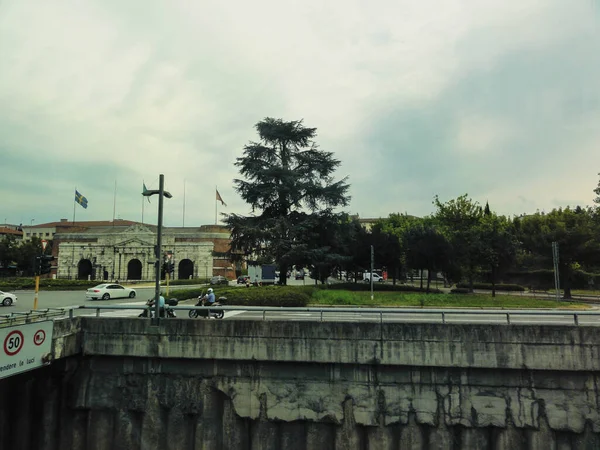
point(498, 287)
point(327, 297)
point(544, 279)
point(48, 284)
point(460, 290)
point(388, 249)
point(426, 248)
point(188, 281)
point(255, 296)
point(575, 231)
point(285, 175)
point(378, 287)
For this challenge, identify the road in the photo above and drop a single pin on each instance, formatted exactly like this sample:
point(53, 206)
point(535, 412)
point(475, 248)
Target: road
point(67, 299)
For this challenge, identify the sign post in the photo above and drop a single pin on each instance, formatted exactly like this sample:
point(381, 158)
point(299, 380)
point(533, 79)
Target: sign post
point(25, 347)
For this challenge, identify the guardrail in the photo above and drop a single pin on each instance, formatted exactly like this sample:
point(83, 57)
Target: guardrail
point(35, 315)
point(380, 312)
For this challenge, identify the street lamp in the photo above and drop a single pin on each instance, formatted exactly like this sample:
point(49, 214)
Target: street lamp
point(161, 194)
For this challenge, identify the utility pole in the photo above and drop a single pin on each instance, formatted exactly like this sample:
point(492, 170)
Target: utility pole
point(158, 251)
point(372, 268)
point(556, 265)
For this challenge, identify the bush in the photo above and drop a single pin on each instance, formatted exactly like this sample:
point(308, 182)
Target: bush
point(255, 296)
point(460, 291)
point(377, 287)
point(488, 286)
point(47, 284)
point(186, 282)
point(544, 279)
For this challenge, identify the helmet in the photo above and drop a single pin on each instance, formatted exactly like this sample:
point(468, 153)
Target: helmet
point(210, 290)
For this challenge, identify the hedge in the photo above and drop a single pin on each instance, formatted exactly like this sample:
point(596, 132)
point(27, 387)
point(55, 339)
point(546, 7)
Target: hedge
point(460, 291)
point(488, 286)
point(48, 284)
point(254, 296)
point(186, 281)
point(378, 287)
point(544, 278)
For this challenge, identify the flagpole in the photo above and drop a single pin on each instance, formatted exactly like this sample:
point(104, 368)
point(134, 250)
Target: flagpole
point(183, 203)
point(115, 203)
point(74, 206)
point(142, 207)
point(216, 190)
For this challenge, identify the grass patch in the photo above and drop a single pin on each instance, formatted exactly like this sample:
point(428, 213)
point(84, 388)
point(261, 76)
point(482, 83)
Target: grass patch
point(323, 297)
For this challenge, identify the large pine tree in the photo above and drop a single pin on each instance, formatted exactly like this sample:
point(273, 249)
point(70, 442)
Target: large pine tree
point(286, 179)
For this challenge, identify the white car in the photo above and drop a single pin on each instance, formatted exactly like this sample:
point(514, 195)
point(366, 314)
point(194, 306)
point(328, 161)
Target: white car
point(376, 278)
point(7, 299)
point(107, 291)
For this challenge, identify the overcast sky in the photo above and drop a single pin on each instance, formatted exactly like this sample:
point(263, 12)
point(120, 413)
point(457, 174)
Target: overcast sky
point(497, 99)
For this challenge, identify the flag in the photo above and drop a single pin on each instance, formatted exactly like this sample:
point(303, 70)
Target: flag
point(219, 199)
point(81, 199)
point(145, 189)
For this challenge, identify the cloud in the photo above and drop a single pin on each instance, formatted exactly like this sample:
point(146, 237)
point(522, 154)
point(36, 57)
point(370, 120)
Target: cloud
point(497, 99)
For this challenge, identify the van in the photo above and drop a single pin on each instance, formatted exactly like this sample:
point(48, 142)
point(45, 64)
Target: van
point(376, 277)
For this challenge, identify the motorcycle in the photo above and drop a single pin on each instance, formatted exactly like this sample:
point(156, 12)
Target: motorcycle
point(214, 313)
point(168, 312)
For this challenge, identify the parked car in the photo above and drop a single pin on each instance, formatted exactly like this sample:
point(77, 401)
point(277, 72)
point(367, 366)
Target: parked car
point(7, 299)
point(376, 277)
point(107, 291)
point(219, 279)
point(300, 275)
point(243, 279)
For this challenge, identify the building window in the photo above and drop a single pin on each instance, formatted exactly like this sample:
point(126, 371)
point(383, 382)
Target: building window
point(47, 234)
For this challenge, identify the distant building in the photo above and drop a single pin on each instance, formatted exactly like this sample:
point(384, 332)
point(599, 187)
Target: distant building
point(124, 250)
point(10, 231)
point(367, 224)
point(48, 230)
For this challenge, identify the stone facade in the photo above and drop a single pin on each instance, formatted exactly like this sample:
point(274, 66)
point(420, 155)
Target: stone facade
point(126, 253)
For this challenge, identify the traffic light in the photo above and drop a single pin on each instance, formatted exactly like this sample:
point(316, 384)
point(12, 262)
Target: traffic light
point(37, 265)
point(45, 264)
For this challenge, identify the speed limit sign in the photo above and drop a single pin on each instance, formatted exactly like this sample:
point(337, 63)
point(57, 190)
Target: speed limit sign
point(13, 342)
point(25, 347)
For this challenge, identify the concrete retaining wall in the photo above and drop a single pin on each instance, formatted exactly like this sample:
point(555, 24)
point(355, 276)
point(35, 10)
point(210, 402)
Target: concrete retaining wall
point(300, 385)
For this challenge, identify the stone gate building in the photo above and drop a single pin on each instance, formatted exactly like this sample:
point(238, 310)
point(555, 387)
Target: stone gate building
point(126, 253)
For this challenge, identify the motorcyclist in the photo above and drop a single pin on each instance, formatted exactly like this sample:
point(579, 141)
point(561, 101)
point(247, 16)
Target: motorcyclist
point(161, 306)
point(208, 298)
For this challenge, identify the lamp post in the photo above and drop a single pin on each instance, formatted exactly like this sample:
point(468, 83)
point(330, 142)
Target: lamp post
point(161, 194)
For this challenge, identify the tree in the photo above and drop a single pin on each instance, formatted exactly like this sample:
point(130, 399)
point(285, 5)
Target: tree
point(8, 250)
point(498, 245)
point(426, 248)
point(287, 178)
point(326, 246)
point(459, 220)
point(26, 253)
point(575, 231)
point(398, 225)
point(597, 192)
point(388, 251)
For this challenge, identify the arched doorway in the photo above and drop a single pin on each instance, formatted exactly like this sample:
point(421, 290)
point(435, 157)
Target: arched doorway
point(134, 269)
point(186, 269)
point(85, 270)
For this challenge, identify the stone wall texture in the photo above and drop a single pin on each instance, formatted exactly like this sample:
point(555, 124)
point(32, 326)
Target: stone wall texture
point(291, 385)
